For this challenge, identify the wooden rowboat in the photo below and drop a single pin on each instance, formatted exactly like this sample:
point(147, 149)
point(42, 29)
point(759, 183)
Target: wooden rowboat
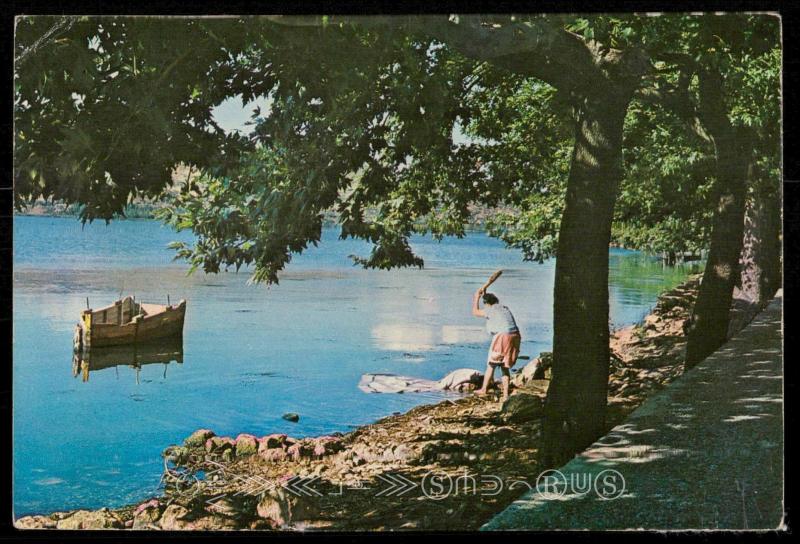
point(128, 322)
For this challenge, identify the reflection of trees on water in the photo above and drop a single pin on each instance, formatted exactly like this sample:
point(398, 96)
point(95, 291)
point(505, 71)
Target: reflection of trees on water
point(646, 277)
point(135, 356)
point(636, 280)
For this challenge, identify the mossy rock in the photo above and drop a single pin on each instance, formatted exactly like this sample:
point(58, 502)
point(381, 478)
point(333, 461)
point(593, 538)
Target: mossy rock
point(198, 438)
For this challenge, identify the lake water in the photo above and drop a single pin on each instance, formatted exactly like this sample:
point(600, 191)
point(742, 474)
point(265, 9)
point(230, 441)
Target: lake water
point(251, 353)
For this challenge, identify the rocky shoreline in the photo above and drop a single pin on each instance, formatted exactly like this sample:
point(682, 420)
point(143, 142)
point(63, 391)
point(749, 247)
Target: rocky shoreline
point(447, 466)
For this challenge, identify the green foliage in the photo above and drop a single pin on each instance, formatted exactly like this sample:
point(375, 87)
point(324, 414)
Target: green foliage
point(103, 114)
point(527, 139)
point(664, 204)
point(369, 128)
point(361, 122)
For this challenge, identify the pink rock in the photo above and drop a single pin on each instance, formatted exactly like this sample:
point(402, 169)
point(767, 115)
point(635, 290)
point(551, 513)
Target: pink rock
point(152, 503)
point(295, 451)
point(245, 436)
point(272, 441)
point(325, 445)
point(273, 455)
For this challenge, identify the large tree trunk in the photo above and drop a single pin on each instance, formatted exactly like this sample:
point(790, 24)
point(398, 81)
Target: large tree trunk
point(710, 319)
point(577, 397)
point(760, 262)
point(711, 314)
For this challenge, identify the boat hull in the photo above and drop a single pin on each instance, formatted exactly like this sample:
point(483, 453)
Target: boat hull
point(167, 322)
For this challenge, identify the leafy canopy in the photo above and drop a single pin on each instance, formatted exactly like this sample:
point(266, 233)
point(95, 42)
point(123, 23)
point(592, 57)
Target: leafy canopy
point(361, 121)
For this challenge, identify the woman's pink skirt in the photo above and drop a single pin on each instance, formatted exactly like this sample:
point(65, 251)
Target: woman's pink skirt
point(504, 349)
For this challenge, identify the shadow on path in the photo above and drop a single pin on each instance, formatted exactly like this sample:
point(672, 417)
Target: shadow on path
point(705, 453)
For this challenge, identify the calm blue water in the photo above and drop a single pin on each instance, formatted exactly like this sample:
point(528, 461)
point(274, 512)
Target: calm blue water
point(251, 353)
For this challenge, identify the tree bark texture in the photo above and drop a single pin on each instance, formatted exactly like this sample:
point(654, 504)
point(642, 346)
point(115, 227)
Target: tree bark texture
point(761, 254)
point(708, 327)
point(577, 397)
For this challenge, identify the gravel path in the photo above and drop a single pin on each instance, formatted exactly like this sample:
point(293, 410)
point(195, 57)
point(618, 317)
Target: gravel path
point(705, 453)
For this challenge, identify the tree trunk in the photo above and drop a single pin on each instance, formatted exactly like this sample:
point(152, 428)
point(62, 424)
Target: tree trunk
point(770, 252)
point(711, 314)
point(710, 319)
point(760, 261)
point(577, 397)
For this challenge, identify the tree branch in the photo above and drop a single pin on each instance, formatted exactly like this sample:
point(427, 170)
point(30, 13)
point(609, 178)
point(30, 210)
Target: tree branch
point(531, 48)
point(678, 102)
point(59, 27)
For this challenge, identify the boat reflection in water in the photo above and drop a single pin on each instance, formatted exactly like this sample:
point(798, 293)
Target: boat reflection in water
point(135, 356)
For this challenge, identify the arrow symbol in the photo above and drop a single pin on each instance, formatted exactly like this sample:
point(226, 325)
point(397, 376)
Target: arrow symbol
point(255, 485)
point(212, 502)
point(300, 486)
point(398, 485)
